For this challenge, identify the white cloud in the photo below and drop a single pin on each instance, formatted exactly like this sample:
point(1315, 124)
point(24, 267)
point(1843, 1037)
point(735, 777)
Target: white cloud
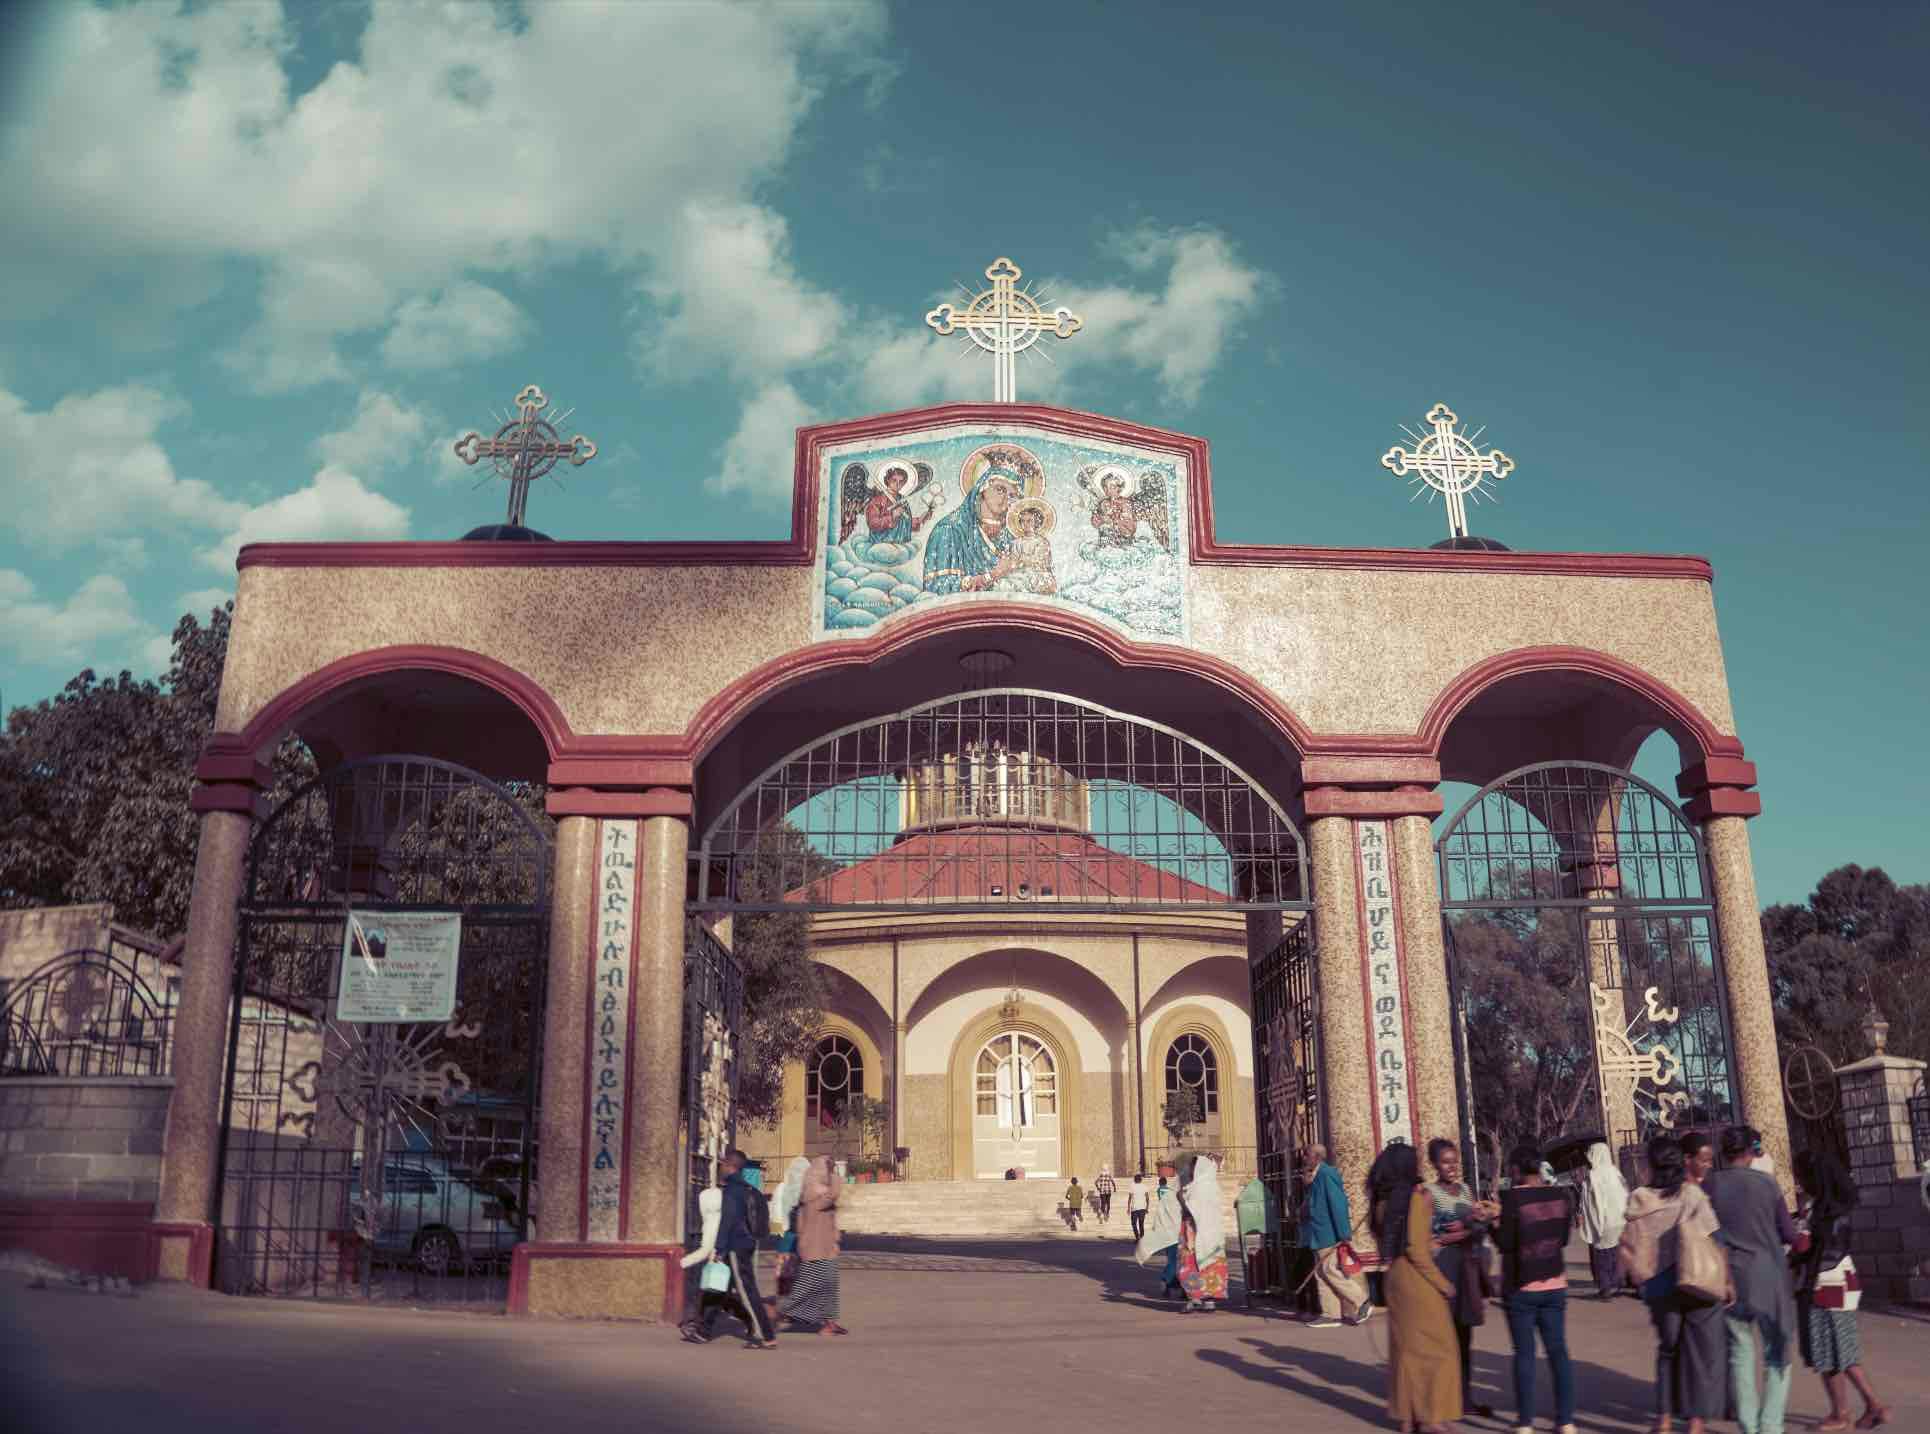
point(459, 324)
point(98, 624)
point(1180, 331)
point(385, 433)
point(91, 468)
point(158, 136)
point(334, 506)
point(757, 460)
point(734, 298)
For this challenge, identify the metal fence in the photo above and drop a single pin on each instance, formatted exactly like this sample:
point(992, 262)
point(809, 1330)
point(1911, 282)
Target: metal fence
point(85, 1013)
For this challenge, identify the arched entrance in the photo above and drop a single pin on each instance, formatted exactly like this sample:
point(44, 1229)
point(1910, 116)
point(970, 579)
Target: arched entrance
point(380, 1104)
point(1050, 827)
point(1585, 962)
point(1015, 1107)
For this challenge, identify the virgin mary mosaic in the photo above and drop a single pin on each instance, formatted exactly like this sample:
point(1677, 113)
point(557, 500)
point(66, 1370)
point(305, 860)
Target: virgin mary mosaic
point(1040, 520)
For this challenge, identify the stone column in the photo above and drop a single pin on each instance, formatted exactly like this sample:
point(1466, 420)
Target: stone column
point(1890, 1228)
point(899, 1033)
point(572, 926)
point(612, 1170)
point(228, 789)
point(1377, 914)
point(1718, 798)
point(1430, 1003)
point(1346, 1081)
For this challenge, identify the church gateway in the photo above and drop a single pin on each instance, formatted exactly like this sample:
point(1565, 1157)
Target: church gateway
point(1110, 834)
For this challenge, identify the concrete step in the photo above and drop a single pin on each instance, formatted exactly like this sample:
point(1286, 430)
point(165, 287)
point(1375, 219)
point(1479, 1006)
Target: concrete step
point(965, 1208)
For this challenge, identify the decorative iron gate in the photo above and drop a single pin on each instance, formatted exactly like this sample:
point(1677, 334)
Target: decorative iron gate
point(713, 1025)
point(990, 800)
point(1286, 1083)
point(1583, 949)
point(385, 1159)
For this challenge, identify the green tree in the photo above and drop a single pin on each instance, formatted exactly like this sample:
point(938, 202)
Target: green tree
point(783, 986)
point(95, 782)
point(1860, 939)
point(1182, 1113)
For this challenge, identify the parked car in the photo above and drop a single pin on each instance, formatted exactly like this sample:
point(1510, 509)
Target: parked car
point(501, 1176)
point(435, 1219)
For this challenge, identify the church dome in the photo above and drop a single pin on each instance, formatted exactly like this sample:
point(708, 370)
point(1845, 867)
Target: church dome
point(505, 533)
point(984, 785)
point(1469, 544)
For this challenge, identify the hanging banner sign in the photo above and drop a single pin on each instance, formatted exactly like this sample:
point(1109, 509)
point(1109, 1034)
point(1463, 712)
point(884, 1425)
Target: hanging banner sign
point(1380, 941)
point(399, 966)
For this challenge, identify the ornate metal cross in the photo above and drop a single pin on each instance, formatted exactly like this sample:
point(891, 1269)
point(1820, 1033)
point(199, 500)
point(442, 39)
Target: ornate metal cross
point(525, 448)
point(1004, 321)
point(1450, 463)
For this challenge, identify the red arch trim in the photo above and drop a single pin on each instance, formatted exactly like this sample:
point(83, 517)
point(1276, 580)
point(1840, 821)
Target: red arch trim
point(729, 706)
point(1522, 660)
point(282, 712)
point(723, 711)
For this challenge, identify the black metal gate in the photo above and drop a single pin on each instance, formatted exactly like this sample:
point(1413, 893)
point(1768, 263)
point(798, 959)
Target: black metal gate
point(385, 1158)
point(713, 1026)
point(1286, 1085)
point(1584, 955)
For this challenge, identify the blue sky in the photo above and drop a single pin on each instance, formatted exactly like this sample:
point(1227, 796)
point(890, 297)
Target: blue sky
point(265, 264)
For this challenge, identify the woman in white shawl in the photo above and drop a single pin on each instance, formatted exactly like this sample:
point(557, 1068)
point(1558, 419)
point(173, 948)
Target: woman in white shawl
point(1162, 1232)
point(1604, 1211)
point(1202, 1244)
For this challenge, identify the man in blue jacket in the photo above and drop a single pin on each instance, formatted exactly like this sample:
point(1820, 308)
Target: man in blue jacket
point(737, 1229)
point(1324, 1223)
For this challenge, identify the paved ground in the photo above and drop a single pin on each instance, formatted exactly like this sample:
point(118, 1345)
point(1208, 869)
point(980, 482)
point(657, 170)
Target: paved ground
point(945, 1336)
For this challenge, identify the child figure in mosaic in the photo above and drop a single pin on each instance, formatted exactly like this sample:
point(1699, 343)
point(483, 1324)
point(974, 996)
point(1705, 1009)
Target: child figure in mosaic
point(1031, 552)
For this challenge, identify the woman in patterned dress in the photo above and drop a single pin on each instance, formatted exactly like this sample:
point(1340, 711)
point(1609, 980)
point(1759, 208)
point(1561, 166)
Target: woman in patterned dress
point(1825, 1305)
point(1202, 1244)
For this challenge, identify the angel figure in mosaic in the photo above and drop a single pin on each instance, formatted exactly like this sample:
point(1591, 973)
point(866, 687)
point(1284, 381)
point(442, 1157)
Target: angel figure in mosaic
point(1031, 521)
point(1120, 502)
point(888, 511)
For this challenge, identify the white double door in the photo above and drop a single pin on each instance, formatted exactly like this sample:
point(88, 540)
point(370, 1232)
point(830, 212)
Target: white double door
point(1015, 1108)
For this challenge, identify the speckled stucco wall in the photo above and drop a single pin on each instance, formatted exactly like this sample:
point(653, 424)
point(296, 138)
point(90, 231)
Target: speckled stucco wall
point(1347, 1094)
point(1348, 650)
point(1359, 650)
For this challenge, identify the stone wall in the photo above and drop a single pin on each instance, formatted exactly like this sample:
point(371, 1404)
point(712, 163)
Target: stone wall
point(1890, 1228)
point(1890, 1240)
point(97, 1138)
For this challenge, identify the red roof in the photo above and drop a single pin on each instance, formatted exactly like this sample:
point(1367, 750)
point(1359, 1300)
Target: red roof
point(963, 864)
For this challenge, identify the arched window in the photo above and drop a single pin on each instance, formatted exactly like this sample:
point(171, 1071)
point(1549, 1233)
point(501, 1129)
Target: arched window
point(1014, 1080)
point(833, 1075)
point(1191, 1065)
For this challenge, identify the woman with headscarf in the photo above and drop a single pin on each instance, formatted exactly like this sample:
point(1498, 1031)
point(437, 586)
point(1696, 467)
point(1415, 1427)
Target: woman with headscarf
point(1424, 1387)
point(1691, 1364)
point(813, 1302)
point(1162, 1233)
point(710, 1209)
point(1202, 1244)
point(784, 1212)
point(1826, 1289)
point(1604, 1210)
point(969, 548)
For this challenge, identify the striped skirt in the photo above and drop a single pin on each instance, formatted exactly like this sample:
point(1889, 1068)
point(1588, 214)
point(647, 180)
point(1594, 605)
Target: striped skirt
point(814, 1293)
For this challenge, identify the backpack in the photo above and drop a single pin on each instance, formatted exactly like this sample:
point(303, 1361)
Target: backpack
point(757, 1213)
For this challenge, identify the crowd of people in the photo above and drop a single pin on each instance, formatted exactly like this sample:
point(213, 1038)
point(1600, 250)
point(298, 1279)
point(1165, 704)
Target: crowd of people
point(1731, 1277)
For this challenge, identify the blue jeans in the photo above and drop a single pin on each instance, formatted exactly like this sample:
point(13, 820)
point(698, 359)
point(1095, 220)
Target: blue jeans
point(1546, 1311)
point(1766, 1417)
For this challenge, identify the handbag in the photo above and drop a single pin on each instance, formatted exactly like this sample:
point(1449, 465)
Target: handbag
point(1348, 1260)
point(716, 1277)
point(1701, 1266)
